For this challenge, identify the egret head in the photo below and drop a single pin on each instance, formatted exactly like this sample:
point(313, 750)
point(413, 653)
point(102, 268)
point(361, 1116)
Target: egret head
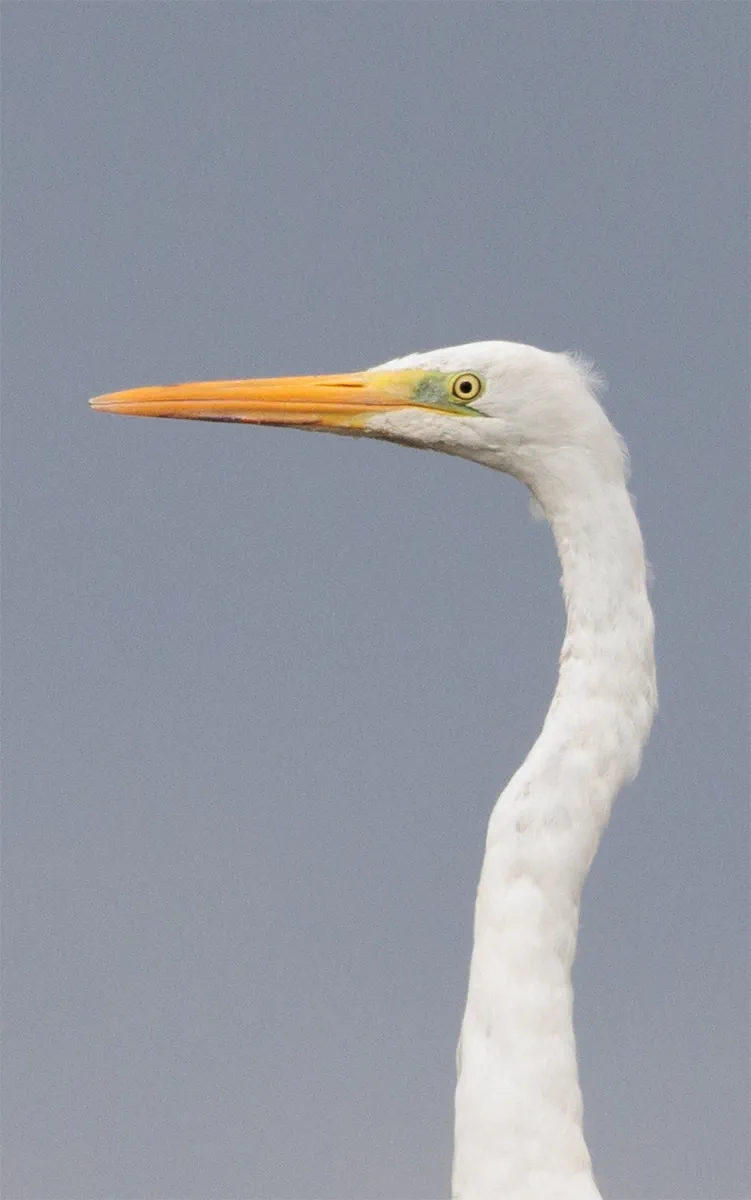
point(509, 406)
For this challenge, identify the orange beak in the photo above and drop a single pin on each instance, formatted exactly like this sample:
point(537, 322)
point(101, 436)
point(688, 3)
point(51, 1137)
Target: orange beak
point(311, 401)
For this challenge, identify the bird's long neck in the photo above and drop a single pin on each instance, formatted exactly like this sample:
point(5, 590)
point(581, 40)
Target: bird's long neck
point(518, 1103)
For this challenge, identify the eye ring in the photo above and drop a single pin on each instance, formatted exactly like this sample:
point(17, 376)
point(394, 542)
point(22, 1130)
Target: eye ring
point(466, 387)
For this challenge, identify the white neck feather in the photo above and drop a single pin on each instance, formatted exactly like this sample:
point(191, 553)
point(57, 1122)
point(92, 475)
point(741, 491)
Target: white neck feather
point(518, 1103)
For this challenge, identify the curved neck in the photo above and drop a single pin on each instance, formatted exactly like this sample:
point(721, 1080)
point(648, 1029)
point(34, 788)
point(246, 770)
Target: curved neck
point(518, 1104)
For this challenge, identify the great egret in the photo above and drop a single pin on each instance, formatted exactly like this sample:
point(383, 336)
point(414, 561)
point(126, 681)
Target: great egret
point(534, 414)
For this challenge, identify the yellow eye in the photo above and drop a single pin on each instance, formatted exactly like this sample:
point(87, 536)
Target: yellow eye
point(466, 387)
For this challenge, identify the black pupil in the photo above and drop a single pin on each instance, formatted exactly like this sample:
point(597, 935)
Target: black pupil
point(465, 387)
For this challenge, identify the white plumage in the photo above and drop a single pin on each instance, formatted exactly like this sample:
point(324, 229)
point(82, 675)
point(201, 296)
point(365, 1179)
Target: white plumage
point(518, 1133)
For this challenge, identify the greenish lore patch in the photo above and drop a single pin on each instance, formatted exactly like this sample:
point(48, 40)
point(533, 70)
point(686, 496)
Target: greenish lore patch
point(434, 391)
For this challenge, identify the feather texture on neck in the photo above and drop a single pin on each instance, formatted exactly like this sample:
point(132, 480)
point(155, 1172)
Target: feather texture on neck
point(519, 1129)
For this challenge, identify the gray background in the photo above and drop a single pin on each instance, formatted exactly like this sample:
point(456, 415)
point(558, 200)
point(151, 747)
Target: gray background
point(262, 688)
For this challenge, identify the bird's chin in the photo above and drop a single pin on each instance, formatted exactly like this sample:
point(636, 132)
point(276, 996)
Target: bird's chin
point(415, 427)
point(462, 437)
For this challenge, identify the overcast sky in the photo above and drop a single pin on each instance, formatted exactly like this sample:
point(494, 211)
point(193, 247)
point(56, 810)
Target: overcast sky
point(263, 688)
